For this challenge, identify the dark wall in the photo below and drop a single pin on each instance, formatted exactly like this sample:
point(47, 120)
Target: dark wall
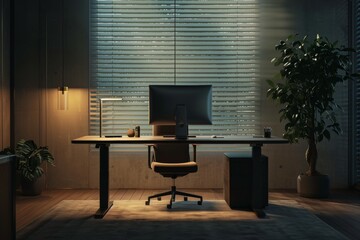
point(45, 32)
point(5, 96)
point(27, 68)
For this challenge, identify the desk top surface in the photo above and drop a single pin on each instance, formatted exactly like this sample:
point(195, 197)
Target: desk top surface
point(190, 140)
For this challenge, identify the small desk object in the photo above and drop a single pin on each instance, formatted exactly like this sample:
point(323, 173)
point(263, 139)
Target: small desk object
point(104, 143)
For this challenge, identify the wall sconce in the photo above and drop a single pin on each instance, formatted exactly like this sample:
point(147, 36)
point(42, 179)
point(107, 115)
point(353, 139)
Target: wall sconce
point(62, 93)
point(62, 98)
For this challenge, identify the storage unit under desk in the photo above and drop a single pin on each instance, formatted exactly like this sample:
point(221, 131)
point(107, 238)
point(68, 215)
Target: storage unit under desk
point(238, 180)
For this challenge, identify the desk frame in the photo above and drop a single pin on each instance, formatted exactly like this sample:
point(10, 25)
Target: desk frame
point(104, 144)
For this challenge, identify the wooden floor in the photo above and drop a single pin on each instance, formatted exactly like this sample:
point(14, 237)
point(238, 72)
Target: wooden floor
point(341, 210)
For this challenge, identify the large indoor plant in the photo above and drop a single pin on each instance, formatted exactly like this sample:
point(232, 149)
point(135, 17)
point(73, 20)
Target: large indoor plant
point(29, 158)
point(305, 87)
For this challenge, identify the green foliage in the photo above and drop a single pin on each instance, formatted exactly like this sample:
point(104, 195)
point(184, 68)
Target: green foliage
point(29, 158)
point(309, 72)
point(7, 151)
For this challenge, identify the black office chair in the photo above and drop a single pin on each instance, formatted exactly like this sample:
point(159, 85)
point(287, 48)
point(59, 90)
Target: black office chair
point(171, 160)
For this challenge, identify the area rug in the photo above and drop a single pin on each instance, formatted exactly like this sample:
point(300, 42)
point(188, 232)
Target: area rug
point(133, 220)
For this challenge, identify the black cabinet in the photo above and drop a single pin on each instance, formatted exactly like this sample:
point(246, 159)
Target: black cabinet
point(238, 180)
point(7, 198)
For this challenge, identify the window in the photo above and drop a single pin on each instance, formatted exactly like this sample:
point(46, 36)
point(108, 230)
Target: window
point(135, 43)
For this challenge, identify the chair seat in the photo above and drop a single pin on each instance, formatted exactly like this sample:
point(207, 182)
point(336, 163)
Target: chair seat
point(174, 168)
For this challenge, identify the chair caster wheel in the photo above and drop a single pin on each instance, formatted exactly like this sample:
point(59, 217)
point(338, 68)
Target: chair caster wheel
point(168, 206)
point(159, 198)
point(185, 198)
point(199, 202)
point(147, 202)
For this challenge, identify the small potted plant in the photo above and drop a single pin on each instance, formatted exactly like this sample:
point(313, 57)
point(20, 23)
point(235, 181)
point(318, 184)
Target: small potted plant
point(310, 70)
point(29, 165)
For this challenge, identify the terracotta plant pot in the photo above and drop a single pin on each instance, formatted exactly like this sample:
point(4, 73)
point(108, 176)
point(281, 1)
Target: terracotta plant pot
point(313, 186)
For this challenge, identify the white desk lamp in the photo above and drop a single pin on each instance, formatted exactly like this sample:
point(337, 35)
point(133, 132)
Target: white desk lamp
point(102, 100)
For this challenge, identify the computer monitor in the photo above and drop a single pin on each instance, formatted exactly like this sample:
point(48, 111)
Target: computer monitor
point(180, 105)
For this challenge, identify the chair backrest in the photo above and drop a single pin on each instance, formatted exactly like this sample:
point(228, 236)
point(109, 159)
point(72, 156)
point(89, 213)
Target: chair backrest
point(170, 152)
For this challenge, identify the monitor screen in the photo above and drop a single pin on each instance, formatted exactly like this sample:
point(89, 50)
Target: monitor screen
point(165, 99)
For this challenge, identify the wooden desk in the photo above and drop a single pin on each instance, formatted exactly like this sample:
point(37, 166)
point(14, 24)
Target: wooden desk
point(104, 143)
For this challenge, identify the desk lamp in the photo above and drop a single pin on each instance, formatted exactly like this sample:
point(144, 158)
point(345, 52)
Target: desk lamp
point(102, 100)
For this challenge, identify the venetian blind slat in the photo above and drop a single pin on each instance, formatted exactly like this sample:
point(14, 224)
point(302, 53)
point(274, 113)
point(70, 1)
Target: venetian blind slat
point(132, 46)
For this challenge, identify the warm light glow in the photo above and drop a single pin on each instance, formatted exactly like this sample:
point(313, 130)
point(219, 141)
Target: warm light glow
point(62, 98)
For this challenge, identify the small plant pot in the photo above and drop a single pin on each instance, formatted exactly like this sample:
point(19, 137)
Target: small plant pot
point(32, 188)
point(313, 186)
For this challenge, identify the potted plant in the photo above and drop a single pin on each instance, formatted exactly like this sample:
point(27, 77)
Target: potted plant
point(29, 160)
point(309, 72)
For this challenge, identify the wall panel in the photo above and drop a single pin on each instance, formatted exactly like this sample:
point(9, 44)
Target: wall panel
point(26, 70)
point(5, 74)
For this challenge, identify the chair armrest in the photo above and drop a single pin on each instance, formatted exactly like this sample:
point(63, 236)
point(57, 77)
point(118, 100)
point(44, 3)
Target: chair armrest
point(194, 152)
point(149, 154)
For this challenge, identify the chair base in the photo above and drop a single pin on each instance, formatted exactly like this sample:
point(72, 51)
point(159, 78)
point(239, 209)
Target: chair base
point(173, 192)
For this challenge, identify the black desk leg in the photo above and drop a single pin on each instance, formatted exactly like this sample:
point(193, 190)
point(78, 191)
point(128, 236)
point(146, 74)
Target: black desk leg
point(105, 204)
point(257, 198)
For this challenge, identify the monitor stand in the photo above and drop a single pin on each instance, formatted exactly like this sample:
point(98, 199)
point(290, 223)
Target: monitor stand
point(181, 128)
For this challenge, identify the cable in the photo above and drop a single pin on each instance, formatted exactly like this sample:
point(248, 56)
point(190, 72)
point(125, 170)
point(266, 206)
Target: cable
point(175, 42)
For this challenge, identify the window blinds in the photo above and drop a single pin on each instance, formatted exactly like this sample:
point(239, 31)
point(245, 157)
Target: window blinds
point(134, 44)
